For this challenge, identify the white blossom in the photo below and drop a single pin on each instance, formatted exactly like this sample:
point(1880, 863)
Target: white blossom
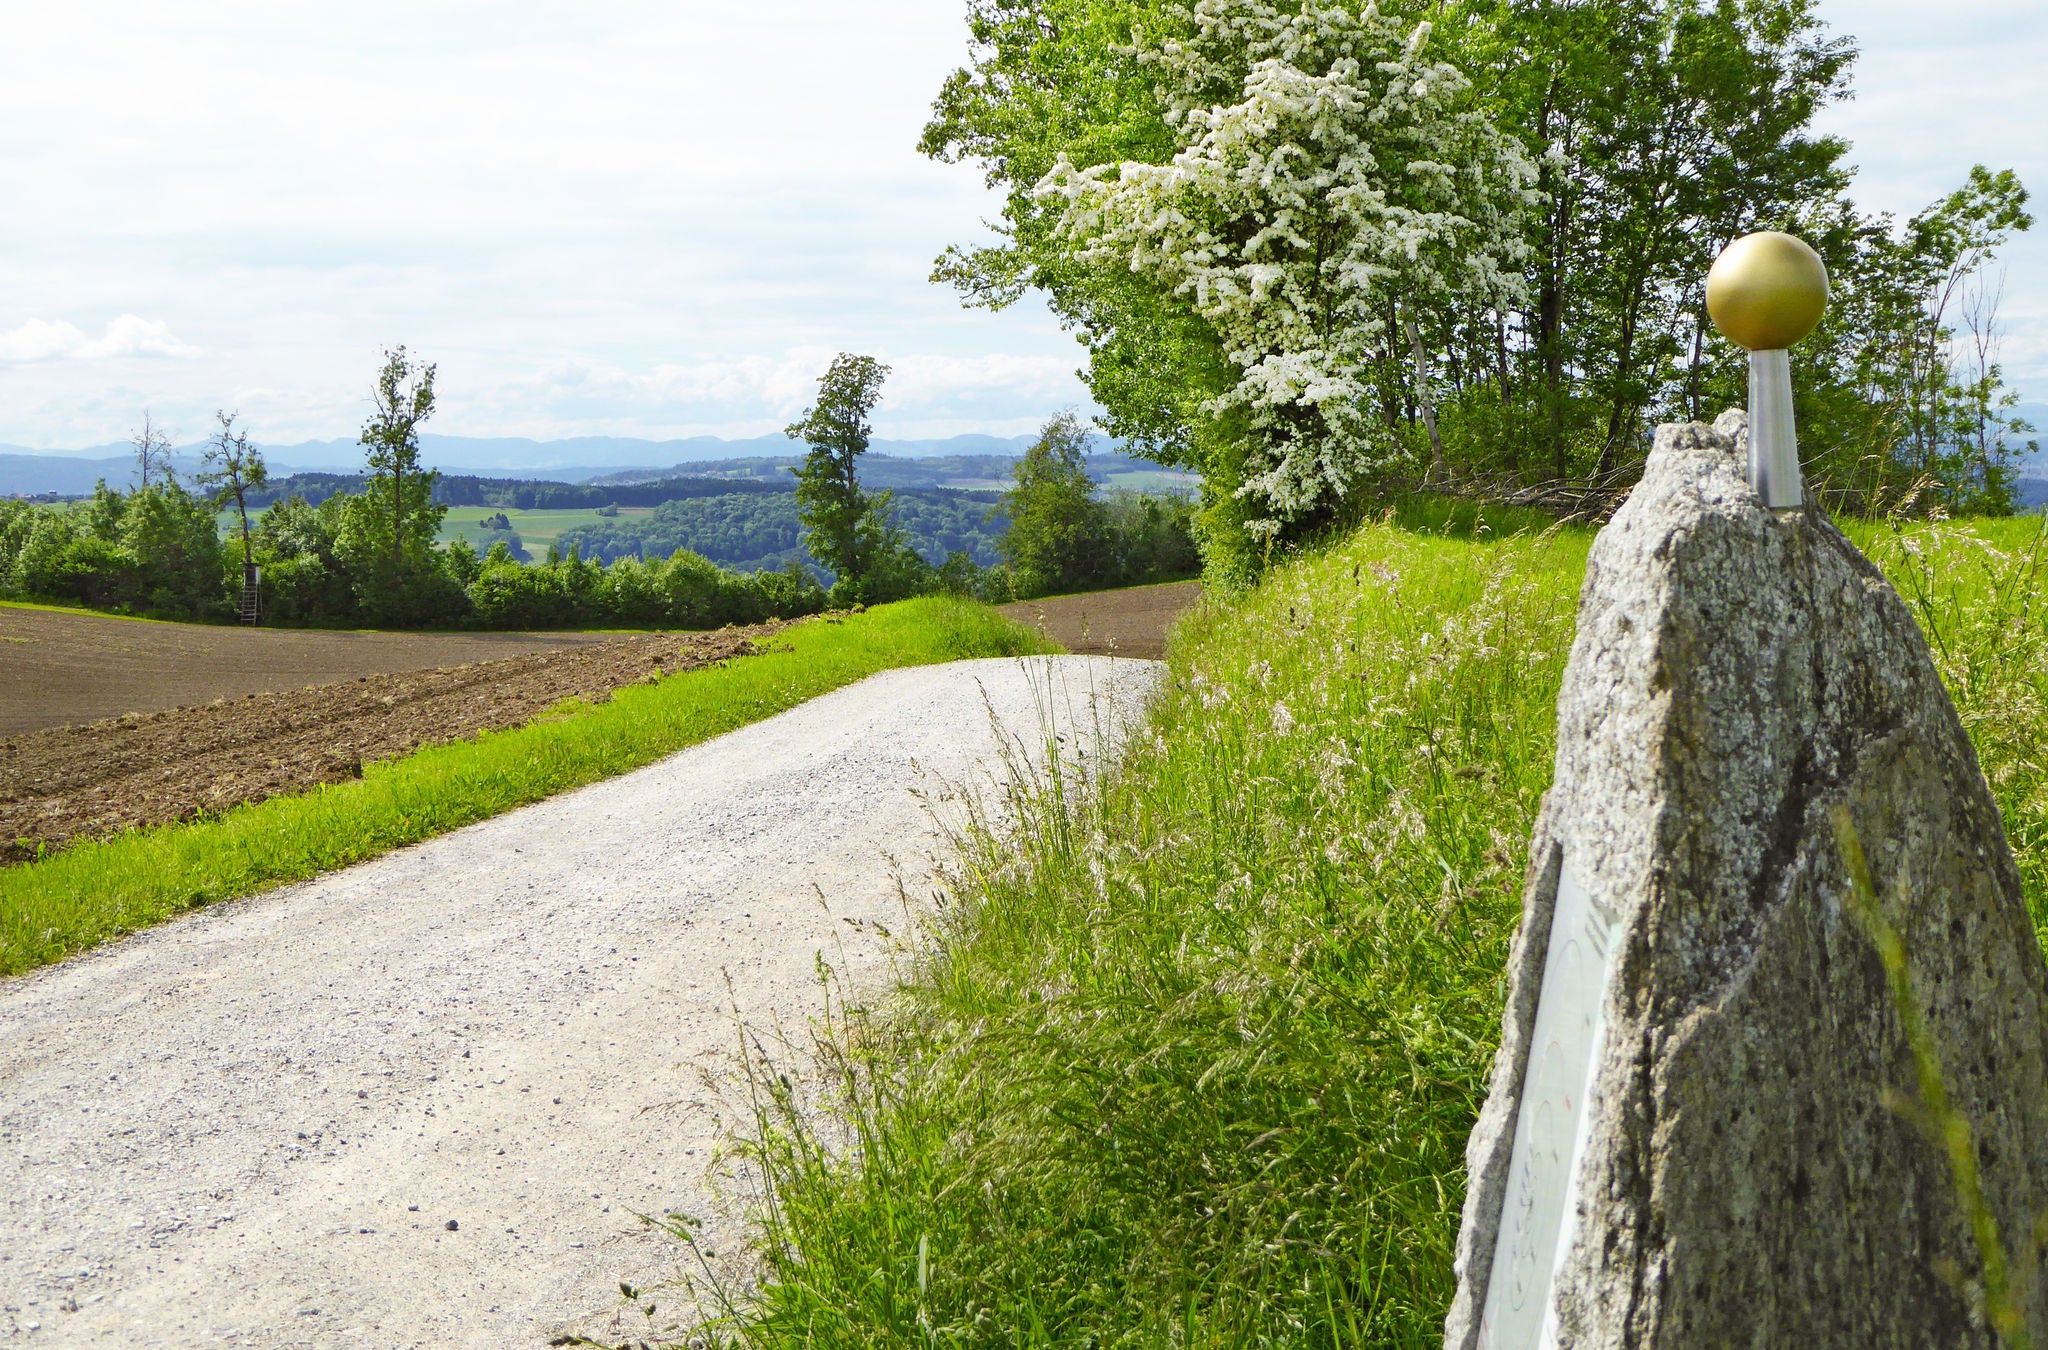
point(1347, 178)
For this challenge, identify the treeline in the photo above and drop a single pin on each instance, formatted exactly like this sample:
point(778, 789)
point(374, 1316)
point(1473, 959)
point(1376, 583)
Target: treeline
point(518, 494)
point(157, 550)
point(372, 556)
point(766, 529)
point(1317, 252)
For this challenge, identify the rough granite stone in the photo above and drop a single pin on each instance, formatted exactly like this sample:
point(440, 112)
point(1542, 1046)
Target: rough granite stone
point(1736, 673)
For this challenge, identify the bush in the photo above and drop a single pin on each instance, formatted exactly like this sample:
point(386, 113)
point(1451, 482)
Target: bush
point(305, 590)
point(156, 550)
point(687, 591)
point(174, 542)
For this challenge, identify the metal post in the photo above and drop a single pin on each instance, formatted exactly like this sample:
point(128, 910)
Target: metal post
point(1773, 440)
point(1765, 292)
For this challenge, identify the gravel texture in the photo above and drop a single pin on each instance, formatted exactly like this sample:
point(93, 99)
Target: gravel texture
point(421, 1101)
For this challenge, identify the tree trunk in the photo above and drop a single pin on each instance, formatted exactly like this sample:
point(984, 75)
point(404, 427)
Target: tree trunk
point(1437, 470)
point(242, 507)
point(397, 512)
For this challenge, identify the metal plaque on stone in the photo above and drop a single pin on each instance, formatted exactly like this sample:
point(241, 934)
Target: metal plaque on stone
point(1537, 1219)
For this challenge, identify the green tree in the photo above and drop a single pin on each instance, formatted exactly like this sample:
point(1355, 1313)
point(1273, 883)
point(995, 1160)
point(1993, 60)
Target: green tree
point(404, 398)
point(1901, 382)
point(174, 540)
point(386, 536)
point(231, 469)
point(1052, 78)
point(1251, 331)
point(846, 528)
point(1663, 129)
point(1057, 539)
point(1332, 177)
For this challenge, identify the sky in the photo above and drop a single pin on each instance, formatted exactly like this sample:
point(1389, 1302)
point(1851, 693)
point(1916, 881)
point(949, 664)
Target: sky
point(653, 219)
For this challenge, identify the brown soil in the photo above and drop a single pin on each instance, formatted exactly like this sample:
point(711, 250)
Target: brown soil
point(1129, 622)
point(96, 779)
point(59, 667)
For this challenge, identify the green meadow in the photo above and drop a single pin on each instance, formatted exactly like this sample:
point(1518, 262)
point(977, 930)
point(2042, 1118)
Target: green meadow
point(536, 529)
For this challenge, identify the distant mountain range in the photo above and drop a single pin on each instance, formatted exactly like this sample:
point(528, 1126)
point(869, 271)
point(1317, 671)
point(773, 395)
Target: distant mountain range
point(614, 459)
point(70, 472)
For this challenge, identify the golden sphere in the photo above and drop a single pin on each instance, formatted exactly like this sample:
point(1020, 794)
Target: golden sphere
point(1767, 290)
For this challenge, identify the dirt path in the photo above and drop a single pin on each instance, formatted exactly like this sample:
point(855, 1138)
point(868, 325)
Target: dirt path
point(58, 668)
point(1132, 622)
point(146, 769)
point(418, 1102)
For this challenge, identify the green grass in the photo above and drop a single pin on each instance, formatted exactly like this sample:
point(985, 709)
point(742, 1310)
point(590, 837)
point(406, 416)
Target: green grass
point(1192, 1058)
point(536, 529)
point(77, 609)
point(91, 892)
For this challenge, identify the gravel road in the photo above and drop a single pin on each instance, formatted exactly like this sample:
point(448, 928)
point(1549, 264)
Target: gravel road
point(420, 1102)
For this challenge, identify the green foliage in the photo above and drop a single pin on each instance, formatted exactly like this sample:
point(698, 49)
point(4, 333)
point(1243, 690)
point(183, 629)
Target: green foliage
point(91, 892)
point(233, 471)
point(163, 554)
point(1057, 527)
point(1661, 130)
point(848, 530)
point(685, 591)
point(756, 530)
point(1063, 537)
point(1193, 1054)
point(1051, 78)
point(1901, 386)
point(386, 539)
point(154, 550)
point(1332, 176)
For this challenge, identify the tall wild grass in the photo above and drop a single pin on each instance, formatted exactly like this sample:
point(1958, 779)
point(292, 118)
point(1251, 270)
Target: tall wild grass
point(1191, 1056)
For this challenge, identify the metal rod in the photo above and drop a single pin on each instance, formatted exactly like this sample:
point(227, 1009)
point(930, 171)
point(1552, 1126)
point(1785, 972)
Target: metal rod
point(1773, 441)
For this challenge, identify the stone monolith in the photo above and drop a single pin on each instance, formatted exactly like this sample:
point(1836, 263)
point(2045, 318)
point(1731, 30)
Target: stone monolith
point(1711, 1142)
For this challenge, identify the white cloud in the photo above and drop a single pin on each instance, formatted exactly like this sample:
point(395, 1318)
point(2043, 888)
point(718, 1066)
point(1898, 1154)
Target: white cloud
point(927, 394)
point(127, 335)
point(637, 218)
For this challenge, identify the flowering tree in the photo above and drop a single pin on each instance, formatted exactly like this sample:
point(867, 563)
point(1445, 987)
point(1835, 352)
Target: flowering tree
point(1331, 179)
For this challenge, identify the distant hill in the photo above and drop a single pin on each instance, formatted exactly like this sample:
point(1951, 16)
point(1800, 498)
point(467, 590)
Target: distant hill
point(73, 472)
point(524, 494)
point(752, 531)
point(299, 469)
point(883, 470)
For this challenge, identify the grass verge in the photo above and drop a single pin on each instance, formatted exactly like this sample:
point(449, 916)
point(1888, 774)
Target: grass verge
point(1193, 1056)
point(94, 891)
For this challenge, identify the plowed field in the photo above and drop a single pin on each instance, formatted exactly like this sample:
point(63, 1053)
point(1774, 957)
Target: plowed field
point(1130, 622)
point(147, 768)
point(58, 667)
